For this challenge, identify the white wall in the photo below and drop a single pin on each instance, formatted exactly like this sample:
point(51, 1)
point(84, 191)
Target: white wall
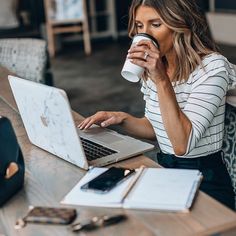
point(223, 27)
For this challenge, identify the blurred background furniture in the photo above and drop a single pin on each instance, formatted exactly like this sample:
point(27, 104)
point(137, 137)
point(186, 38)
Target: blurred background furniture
point(102, 16)
point(221, 19)
point(8, 16)
point(61, 19)
point(107, 19)
point(27, 58)
point(21, 18)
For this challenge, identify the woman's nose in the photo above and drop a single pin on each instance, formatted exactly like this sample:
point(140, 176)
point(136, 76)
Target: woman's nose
point(145, 30)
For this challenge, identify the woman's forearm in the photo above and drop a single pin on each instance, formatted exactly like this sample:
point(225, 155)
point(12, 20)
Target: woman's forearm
point(139, 127)
point(176, 123)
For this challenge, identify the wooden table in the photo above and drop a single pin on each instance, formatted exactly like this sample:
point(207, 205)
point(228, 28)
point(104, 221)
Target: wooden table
point(48, 179)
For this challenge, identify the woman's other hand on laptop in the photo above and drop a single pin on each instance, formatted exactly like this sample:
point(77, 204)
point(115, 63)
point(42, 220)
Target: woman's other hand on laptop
point(104, 119)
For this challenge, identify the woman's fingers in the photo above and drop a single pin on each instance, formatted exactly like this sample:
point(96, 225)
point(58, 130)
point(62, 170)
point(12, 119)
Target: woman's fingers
point(142, 52)
point(94, 119)
point(146, 55)
point(90, 123)
point(101, 118)
point(137, 55)
point(144, 45)
point(150, 45)
point(109, 121)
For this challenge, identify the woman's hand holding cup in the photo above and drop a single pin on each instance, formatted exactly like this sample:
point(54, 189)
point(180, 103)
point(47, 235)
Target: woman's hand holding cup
point(138, 54)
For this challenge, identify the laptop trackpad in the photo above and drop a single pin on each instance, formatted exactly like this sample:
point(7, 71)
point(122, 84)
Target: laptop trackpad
point(106, 137)
point(102, 135)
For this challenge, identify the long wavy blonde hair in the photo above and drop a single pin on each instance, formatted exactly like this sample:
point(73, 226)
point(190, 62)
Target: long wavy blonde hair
point(191, 38)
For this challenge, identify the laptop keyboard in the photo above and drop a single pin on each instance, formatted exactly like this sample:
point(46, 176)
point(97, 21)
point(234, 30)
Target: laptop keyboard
point(94, 151)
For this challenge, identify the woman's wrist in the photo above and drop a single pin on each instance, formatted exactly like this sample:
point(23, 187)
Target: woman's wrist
point(163, 80)
point(123, 117)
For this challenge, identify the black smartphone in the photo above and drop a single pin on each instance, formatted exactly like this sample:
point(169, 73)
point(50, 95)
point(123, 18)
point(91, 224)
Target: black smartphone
point(108, 180)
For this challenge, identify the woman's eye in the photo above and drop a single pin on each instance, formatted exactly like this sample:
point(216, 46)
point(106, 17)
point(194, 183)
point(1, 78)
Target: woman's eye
point(138, 26)
point(156, 25)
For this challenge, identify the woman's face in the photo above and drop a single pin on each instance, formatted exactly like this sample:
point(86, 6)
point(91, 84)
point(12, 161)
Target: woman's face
point(148, 21)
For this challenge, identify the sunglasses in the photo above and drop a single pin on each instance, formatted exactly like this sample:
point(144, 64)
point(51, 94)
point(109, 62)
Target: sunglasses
point(97, 222)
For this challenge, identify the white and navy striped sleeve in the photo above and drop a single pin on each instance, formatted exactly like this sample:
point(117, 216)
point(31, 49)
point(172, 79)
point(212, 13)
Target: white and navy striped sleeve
point(208, 91)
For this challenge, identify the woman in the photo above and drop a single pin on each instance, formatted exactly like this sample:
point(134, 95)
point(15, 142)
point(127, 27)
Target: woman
point(184, 86)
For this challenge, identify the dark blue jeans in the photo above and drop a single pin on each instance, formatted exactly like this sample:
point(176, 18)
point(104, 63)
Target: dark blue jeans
point(216, 180)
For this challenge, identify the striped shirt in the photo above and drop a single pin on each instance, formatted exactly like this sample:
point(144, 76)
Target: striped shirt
point(202, 99)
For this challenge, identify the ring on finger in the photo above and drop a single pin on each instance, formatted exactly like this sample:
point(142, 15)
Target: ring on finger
point(146, 55)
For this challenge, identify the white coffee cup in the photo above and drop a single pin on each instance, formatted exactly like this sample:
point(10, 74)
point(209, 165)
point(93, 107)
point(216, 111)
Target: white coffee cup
point(130, 71)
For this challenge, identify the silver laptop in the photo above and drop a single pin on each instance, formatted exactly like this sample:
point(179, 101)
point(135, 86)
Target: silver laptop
point(49, 124)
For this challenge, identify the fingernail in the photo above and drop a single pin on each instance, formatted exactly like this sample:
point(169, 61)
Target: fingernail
point(103, 124)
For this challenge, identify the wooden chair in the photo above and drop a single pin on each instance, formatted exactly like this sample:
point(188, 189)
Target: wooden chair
point(55, 26)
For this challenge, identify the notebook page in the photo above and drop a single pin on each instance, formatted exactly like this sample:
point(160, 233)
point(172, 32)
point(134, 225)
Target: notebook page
point(165, 189)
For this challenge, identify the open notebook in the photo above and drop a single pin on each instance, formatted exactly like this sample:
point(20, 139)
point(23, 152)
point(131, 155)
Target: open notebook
point(153, 189)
